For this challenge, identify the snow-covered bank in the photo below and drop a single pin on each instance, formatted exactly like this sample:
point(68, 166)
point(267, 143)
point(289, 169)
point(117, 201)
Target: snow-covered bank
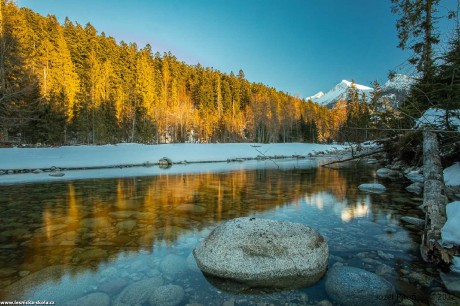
point(193, 168)
point(138, 154)
point(452, 175)
point(112, 156)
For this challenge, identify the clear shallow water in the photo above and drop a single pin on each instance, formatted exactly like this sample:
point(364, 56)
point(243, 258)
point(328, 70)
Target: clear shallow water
point(62, 241)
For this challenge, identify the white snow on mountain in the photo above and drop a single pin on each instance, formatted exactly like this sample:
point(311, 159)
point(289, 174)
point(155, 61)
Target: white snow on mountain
point(399, 82)
point(316, 96)
point(395, 90)
point(339, 92)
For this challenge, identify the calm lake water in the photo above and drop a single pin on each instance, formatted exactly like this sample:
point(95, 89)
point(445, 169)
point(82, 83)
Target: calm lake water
point(65, 240)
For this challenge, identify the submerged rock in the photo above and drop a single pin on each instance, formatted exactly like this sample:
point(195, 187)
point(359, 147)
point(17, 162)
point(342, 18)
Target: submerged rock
point(414, 221)
point(416, 188)
point(351, 286)
point(113, 286)
point(139, 292)
point(263, 253)
point(169, 295)
point(415, 176)
point(96, 298)
point(388, 173)
point(443, 299)
point(173, 264)
point(452, 282)
point(376, 188)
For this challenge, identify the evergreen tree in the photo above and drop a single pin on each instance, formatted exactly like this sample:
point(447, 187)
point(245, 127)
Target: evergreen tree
point(417, 31)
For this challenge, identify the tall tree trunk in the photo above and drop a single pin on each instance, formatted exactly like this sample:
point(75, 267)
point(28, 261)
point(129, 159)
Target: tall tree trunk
point(428, 48)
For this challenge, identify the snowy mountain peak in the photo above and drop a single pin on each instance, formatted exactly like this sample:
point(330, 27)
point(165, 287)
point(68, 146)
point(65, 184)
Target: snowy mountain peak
point(339, 92)
point(358, 86)
point(395, 90)
point(315, 96)
point(400, 82)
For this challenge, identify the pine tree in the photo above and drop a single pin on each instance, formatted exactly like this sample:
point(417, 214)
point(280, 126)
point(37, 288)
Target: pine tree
point(417, 31)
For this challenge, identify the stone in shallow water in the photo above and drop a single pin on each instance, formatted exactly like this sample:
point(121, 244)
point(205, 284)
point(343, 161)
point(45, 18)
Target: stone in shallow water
point(376, 188)
point(169, 295)
point(415, 176)
point(96, 298)
point(126, 226)
point(91, 254)
point(416, 188)
point(5, 272)
point(352, 286)
point(191, 208)
point(172, 264)
point(414, 221)
point(27, 283)
point(263, 253)
point(388, 173)
point(113, 286)
point(443, 299)
point(50, 283)
point(452, 282)
point(396, 241)
point(138, 293)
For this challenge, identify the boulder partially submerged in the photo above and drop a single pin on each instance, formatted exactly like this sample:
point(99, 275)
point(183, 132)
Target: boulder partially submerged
point(263, 253)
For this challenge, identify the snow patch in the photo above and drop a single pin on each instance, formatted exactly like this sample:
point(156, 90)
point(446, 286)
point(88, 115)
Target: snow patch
point(436, 118)
point(455, 266)
point(137, 154)
point(450, 232)
point(188, 158)
point(452, 175)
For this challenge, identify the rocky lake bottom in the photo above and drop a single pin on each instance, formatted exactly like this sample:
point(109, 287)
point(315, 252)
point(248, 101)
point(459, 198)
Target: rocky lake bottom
point(129, 241)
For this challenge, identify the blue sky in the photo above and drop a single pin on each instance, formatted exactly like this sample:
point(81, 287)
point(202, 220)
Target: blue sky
point(297, 46)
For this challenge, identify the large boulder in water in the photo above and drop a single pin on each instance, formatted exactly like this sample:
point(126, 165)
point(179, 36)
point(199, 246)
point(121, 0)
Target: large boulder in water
point(352, 286)
point(263, 253)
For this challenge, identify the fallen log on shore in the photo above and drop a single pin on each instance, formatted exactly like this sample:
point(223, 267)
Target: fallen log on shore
point(434, 203)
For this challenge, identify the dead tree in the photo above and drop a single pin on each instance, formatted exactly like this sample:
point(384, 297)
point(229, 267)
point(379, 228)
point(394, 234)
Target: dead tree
point(434, 201)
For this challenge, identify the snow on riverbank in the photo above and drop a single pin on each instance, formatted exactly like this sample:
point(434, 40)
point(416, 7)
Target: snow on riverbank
point(452, 175)
point(137, 154)
point(111, 156)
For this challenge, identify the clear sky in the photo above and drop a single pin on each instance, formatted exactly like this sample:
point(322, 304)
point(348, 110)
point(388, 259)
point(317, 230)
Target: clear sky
point(297, 46)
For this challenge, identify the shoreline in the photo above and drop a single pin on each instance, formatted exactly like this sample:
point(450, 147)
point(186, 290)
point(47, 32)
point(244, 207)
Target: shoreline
point(35, 165)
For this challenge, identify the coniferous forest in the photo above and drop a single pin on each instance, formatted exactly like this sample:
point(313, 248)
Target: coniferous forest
point(69, 84)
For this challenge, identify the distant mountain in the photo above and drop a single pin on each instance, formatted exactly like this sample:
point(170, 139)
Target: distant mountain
point(315, 96)
point(395, 90)
point(339, 92)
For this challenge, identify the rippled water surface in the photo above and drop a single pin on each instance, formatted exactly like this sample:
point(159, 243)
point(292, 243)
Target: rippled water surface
point(65, 240)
